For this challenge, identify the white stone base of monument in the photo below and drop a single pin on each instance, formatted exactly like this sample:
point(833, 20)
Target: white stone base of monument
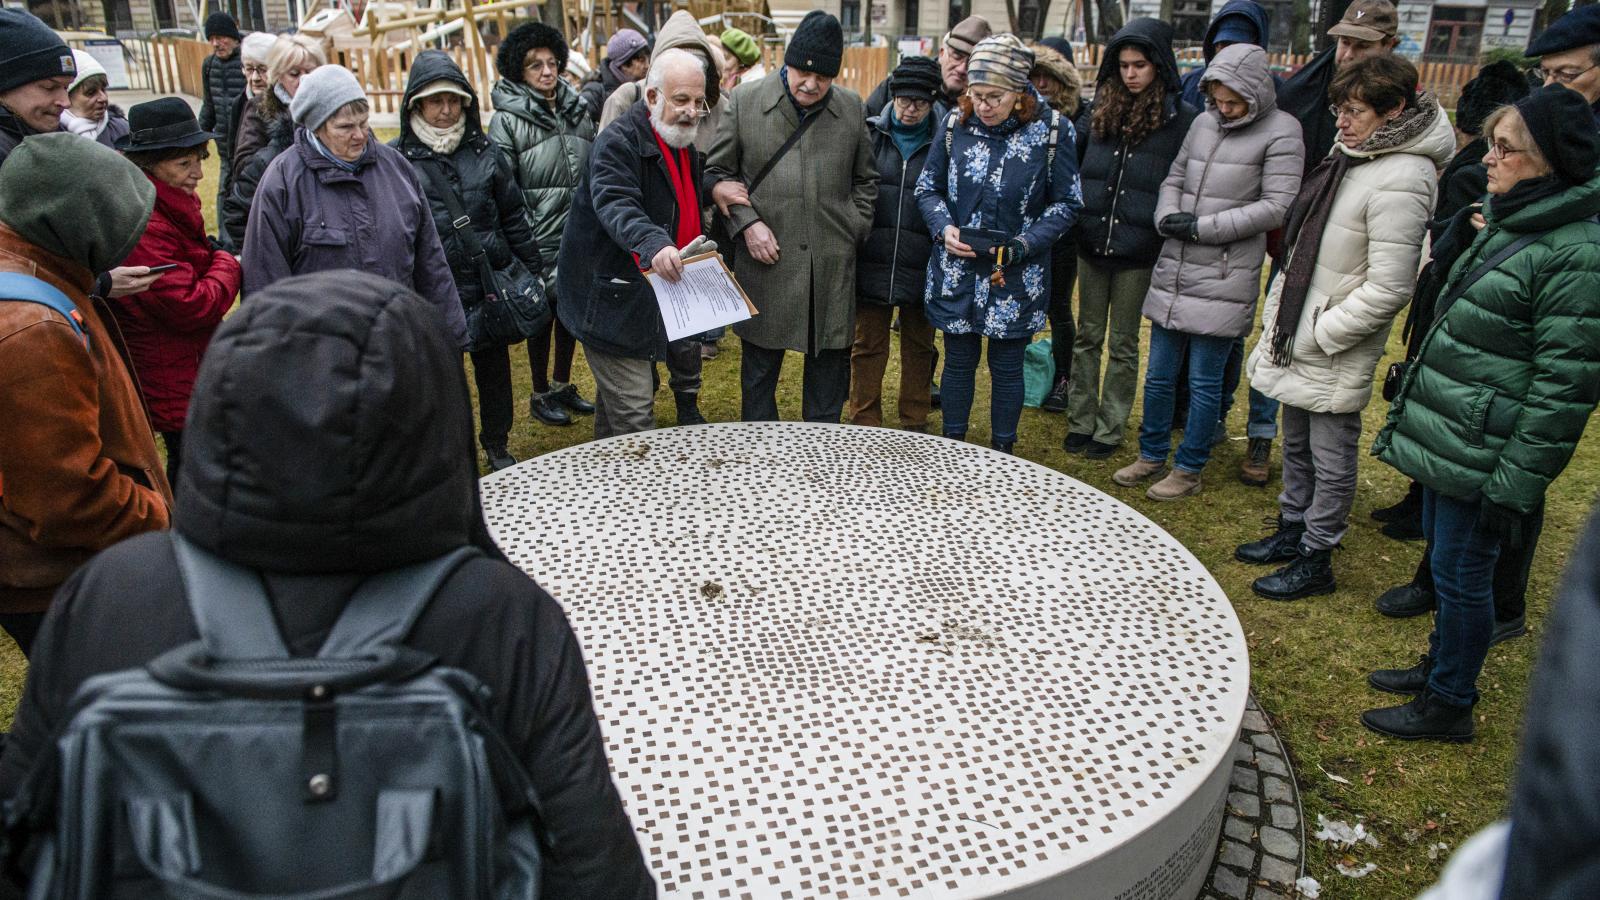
point(835, 662)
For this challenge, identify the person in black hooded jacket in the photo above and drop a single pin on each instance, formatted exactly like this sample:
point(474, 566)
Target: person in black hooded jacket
point(1126, 144)
point(320, 489)
point(441, 135)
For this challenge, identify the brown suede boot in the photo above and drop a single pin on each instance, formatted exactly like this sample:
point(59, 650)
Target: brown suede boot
point(1140, 470)
point(1256, 470)
point(1176, 485)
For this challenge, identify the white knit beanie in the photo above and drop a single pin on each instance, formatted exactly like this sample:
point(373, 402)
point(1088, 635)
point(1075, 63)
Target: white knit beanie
point(88, 67)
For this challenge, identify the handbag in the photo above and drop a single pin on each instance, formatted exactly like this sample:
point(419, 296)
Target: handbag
point(1397, 371)
point(514, 306)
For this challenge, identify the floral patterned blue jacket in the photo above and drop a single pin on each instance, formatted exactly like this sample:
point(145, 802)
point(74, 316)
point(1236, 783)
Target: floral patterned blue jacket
point(996, 179)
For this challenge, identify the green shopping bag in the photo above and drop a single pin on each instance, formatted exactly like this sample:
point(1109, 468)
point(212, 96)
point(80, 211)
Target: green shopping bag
point(1038, 372)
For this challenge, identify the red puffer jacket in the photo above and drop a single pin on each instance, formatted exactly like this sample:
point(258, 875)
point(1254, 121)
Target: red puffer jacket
point(168, 326)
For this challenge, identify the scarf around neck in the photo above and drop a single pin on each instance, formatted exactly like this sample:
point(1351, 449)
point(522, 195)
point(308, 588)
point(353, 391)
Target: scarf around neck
point(910, 138)
point(1308, 218)
point(327, 154)
point(440, 140)
point(89, 128)
point(1524, 194)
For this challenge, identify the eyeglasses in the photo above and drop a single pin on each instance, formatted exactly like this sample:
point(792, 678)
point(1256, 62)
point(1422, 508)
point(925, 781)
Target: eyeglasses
point(542, 65)
point(699, 108)
point(988, 101)
point(913, 103)
point(255, 69)
point(1561, 76)
point(1499, 151)
point(1354, 112)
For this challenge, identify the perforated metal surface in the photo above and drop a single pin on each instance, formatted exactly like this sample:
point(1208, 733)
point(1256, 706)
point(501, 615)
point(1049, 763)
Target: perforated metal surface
point(846, 662)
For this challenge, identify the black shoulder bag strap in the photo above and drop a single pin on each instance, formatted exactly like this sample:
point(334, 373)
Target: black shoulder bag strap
point(794, 138)
point(1484, 268)
point(462, 223)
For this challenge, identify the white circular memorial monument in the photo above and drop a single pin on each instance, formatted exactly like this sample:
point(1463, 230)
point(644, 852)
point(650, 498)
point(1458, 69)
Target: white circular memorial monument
point(836, 662)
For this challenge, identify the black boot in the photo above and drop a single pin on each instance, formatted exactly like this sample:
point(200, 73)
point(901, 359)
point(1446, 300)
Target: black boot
point(1405, 601)
point(499, 457)
point(1056, 400)
point(1410, 505)
point(688, 408)
point(547, 410)
point(1406, 682)
point(1310, 574)
point(1508, 629)
point(1280, 546)
point(1003, 446)
point(567, 395)
point(1426, 718)
point(1404, 529)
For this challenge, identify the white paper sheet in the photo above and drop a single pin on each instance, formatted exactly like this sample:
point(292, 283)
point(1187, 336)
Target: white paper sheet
point(706, 297)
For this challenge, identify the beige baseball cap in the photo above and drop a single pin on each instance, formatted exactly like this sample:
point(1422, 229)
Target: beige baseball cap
point(1368, 20)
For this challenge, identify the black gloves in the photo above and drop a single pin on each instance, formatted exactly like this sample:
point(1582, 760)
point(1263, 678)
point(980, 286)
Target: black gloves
point(1181, 225)
point(1014, 251)
point(1505, 524)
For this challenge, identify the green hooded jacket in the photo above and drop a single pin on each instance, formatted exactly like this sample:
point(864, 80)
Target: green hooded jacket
point(1505, 380)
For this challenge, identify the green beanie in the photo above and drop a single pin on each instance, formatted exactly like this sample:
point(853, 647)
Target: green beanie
point(743, 47)
point(75, 198)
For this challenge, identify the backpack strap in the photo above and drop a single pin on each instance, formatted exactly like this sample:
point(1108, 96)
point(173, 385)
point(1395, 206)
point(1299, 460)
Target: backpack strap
point(387, 605)
point(950, 130)
point(230, 605)
point(1055, 136)
point(28, 289)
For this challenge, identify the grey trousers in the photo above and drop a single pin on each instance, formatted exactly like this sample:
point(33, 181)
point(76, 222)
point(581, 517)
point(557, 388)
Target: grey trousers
point(1320, 451)
point(624, 394)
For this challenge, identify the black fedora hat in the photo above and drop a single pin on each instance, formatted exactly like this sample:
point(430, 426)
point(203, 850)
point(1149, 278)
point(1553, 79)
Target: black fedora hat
point(164, 124)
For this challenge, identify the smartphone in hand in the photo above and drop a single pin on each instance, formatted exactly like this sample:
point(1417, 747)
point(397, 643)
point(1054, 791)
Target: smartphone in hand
point(165, 267)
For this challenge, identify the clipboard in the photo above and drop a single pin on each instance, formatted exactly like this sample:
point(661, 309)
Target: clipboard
point(694, 304)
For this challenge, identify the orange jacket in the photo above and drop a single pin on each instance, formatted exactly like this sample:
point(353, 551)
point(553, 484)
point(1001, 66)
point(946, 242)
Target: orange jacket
point(79, 469)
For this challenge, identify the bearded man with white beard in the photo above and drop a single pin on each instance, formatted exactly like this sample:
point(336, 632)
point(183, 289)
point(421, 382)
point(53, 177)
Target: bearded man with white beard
point(636, 207)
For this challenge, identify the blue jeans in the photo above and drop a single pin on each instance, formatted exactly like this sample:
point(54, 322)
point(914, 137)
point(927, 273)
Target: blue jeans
point(1207, 358)
point(1263, 421)
point(961, 352)
point(1463, 557)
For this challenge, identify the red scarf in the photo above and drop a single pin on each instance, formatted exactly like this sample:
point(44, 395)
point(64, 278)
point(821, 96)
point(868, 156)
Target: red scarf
point(684, 188)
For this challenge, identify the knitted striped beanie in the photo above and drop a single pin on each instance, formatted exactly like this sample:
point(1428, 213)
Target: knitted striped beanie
point(1001, 61)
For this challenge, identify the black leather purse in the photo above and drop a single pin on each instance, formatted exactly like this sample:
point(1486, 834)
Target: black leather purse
point(514, 306)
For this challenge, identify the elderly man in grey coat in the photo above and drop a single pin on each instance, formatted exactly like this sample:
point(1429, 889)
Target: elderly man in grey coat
point(792, 170)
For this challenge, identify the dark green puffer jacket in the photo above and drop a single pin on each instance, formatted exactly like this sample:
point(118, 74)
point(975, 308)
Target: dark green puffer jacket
point(1504, 383)
point(549, 149)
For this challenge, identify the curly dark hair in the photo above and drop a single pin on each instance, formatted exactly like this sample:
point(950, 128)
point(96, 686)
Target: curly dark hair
point(1120, 114)
point(1028, 112)
point(531, 36)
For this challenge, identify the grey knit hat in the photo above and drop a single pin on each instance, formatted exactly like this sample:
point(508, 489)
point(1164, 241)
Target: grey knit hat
point(1001, 61)
point(323, 91)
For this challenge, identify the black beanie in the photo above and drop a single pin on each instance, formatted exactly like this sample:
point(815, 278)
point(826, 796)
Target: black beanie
point(220, 24)
point(30, 51)
point(1498, 84)
point(1562, 126)
point(817, 45)
point(916, 76)
point(1060, 45)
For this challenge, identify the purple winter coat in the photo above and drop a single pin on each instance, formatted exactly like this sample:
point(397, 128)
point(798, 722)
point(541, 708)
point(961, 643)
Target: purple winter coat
point(310, 215)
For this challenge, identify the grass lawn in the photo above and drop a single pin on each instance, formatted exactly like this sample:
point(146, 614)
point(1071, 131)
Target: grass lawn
point(1309, 659)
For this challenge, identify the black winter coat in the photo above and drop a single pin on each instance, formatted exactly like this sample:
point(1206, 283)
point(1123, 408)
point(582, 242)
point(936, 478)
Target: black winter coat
point(370, 470)
point(222, 82)
point(1122, 184)
point(480, 173)
point(597, 88)
point(12, 131)
point(893, 264)
point(243, 183)
point(624, 205)
point(1305, 96)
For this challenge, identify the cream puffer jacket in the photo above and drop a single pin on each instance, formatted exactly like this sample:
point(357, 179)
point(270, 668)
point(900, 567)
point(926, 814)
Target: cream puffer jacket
point(1365, 272)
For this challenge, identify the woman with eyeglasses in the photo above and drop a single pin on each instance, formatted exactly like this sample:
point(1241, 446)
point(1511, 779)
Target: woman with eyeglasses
point(1354, 238)
point(292, 57)
point(999, 189)
point(545, 127)
point(1493, 407)
point(892, 265)
point(1126, 144)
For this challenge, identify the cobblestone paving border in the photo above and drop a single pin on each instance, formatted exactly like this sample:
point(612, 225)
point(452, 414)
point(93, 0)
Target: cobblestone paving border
point(1262, 850)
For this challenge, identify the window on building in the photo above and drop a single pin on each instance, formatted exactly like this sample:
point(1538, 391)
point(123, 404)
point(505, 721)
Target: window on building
point(118, 16)
point(59, 14)
point(913, 17)
point(1190, 18)
point(850, 16)
point(1454, 34)
point(1028, 16)
point(959, 9)
point(166, 16)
